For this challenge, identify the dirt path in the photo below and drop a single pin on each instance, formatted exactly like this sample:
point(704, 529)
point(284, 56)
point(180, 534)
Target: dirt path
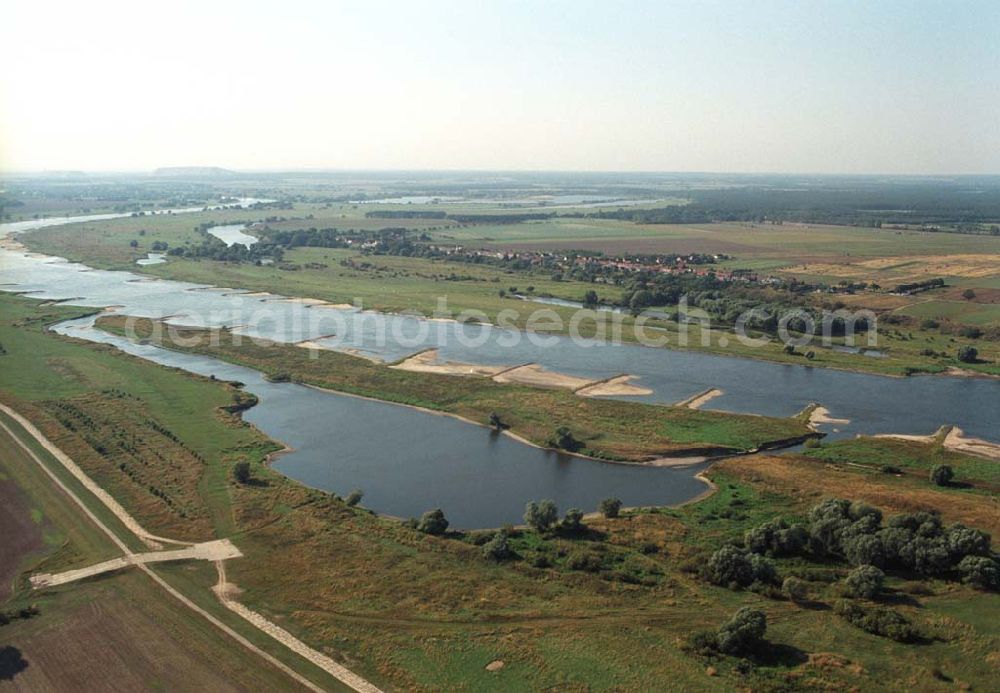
point(218, 550)
point(206, 550)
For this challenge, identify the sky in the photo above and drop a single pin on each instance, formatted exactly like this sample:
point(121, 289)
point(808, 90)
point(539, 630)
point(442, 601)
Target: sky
point(880, 86)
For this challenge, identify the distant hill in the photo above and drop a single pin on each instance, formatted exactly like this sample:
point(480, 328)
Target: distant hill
point(194, 172)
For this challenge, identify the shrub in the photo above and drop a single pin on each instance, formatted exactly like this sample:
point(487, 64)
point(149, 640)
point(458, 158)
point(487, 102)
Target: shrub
point(776, 538)
point(541, 516)
point(865, 549)
point(704, 642)
point(354, 497)
point(241, 472)
point(730, 566)
point(942, 475)
point(433, 522)
point(968, 354)
point(923, 523)
point(865, 581)
point(795, 589)
point(763, 570)
point(573, 520)
point(564, 439)
point(927, 555)
point(980, 571)
point(963, 541)
point(877, 621)
point(498, 548)
point(584, 560)
point(610, 507)
point(496, 422)
point(744, 632)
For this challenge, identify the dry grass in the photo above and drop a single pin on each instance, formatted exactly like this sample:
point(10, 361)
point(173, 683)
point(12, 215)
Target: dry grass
point(808, 480)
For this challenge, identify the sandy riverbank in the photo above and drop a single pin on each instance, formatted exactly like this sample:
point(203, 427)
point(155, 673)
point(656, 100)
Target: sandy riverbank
point(535, 375)
point(954, 440)
point(427, 362)
point(622, 385)
point(699, 400)
point(821, 415)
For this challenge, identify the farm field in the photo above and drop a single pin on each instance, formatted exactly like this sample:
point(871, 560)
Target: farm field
point(120, 630)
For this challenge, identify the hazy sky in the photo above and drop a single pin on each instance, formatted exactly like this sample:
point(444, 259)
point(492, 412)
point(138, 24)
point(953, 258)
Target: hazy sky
point(840, 86)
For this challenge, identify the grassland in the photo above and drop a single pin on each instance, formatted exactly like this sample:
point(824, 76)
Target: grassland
point(417, 612)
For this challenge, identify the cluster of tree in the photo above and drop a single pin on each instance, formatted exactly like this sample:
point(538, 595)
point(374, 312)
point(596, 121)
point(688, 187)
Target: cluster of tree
point(22, 614)
point(213, 249)
point(544, 516)
point(935, 205)
point(757, 309)
point(405, 214)
point(917, 287)
point(853, 531)
point(510, 218)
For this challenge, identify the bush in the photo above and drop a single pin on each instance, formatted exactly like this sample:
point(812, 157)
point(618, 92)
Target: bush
point(980, 571)
point(584, 560)
point(942, 475)
point(573, 520)
point(730, 566)
point(927, 555)
point(865, 581)
point(564, 439)
point(744, 632)
point(963, 541)
point(354, 497)
point(704, 642)
point(776, 538)
point(241, 472)
point(498, 548)
point(968, 354)
point(541, 516)
point(433, 522)
point(795, 589)
point(877, 621)
point(864, 549)
point(610, 507)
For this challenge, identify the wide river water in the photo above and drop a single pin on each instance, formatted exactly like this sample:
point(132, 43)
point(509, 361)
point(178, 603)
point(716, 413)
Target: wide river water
point(407, 461)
